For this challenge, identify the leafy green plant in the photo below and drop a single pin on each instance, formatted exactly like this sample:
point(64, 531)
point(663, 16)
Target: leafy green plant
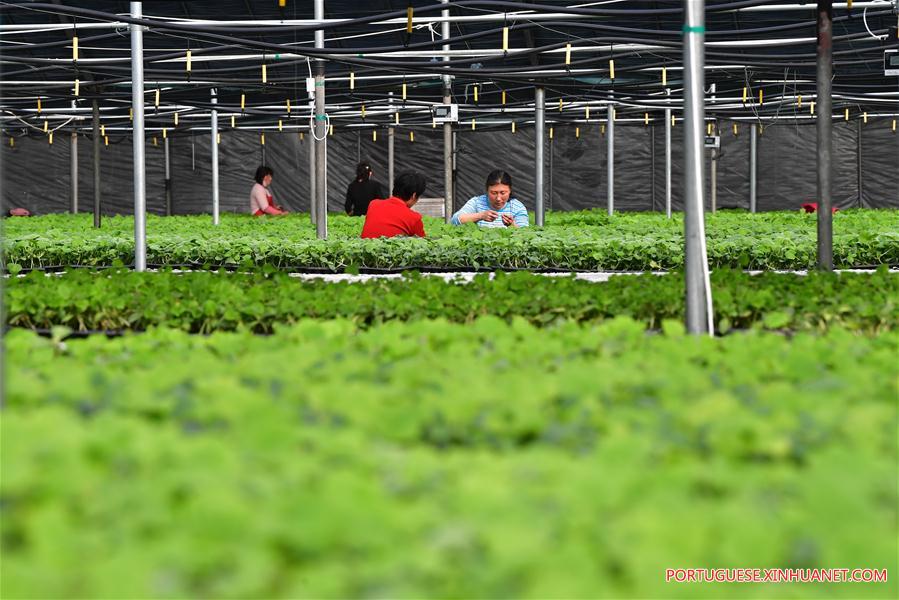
point(203, 302)
point(432, 459)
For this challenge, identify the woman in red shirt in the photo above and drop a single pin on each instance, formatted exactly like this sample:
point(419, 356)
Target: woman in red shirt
point(394, 216)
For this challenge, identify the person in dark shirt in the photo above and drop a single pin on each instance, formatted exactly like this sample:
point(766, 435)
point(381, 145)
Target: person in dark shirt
point(394, 216)
point(362, 190)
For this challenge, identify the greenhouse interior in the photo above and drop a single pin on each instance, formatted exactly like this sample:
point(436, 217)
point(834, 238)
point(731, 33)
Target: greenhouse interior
point(449, 299)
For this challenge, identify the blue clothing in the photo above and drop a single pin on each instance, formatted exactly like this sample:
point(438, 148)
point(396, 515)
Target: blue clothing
point(480, 203)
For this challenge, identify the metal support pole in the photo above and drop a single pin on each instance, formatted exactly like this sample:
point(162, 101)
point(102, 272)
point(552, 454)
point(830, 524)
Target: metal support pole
point(312, 191)
point(358, 146)
point(168, 179)
point(137, 108)
point(610, 158)
point(73, 169)
point(668, 156)
point(714, 180)
point(652, 165)
point(858, 155)
point(448, 204)
point(539, 130)
point(550, 196)
point(753, 167)
point(824, 110)
point(96, 126)
point(390, 133)
point(321, 134)
point(698, 294)
point(215, 158)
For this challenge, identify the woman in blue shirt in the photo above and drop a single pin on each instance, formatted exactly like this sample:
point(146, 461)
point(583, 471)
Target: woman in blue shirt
point(496, 208)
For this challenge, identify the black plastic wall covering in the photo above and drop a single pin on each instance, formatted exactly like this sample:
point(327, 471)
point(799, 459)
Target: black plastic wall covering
point(36, 175)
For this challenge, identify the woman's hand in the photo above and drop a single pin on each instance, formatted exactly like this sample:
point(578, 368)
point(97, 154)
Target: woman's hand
point(488, 215)
point(509, 220)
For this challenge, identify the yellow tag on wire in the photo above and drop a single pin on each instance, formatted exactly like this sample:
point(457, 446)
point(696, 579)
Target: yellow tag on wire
point(187, 63)
point(664, 75)
point(264, 74)
point(75, 48)
point(567, 54)
point(611, 68)
point(505, 39)
point(409, 12)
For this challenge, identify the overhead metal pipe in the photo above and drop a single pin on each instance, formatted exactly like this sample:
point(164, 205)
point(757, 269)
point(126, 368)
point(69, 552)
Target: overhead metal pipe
point(539, 131)
point(321, 134)
point(96, 130)
point(698, 294)
point(824, 126)
point(753, 167)
point(137, 108)
point(668, 158)
point(610, 159)
point(214, 130)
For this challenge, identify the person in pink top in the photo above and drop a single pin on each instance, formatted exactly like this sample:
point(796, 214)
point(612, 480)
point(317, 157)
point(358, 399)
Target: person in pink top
point(261, 201)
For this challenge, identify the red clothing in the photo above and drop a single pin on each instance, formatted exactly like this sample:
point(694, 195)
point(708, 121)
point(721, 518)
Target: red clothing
point(271, 202)
point(390, 218)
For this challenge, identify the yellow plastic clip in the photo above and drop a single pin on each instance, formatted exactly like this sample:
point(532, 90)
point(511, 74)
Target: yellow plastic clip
point(761, 97)
point(745, 94)
point(75, 48)
point(243, 102)
point(611, 68)
point(352, 80)
point(577, 132)
point(77, 86)
point(105, 140)
point(894, 125)
point(602, 129)
point(187, 63)
point(165, 133)
point(218, 138)
point(156, 101)
point(475, 93)
point(396, 118)
point(264, 74)
point(664, 75)
point(409, 13)
point(550, 133)
point(735, 129)
point(233, 123)
point(505, 39)
point(262, 139)
point(50, 138)
point(38, 106)
point(176, 119)
point(103, 130)
point(288, 105)
point(155, 141)
point(865, 117)
point(411, 136)
point(282, 3)
point(646, 118)
point(363, 111)
point(513, 126)
point(503, 97)
point(560, 105)
point(472, 124)
point(846, 114)
point(708, 129)
point(587, 113)
point(12, 142)
point(374, 135)
point(280, 125)
point(46, 126)
point(330, 130)
point(811, 107)
point(799, 101)
point(567, 54)
point(673, 120)
point(404, 91)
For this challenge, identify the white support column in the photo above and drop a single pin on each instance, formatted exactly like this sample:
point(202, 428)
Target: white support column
point(610, 158)
point(137, 107)
point(215, 157)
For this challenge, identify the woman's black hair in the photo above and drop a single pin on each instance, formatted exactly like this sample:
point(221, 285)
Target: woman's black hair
point(363, 171)
point(498, 177)
point(261, 172)
point(408, 183)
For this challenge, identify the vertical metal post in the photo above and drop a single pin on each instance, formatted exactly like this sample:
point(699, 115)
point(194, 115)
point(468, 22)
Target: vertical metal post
point(215, 158)
point(96, 126)
point(668, 155)
point(610, 158)
point(698, 295)
point(390, 144)
point(714, 183)
point(390, 172)
point(824, 109)
point(168, 179)
point(753, 167)
point(652, 165)
point(321, 133)
point(137, 107)
point(539, 130)
point(858, 156)
point(448, 200)
point(550, 196)
point(73, 167)
point(313, 194)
